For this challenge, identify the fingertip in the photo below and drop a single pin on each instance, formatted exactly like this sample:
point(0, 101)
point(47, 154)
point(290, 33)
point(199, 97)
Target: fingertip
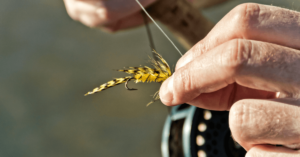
point(166, 92)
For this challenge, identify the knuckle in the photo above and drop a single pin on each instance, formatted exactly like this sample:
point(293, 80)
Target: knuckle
point(106, 15)
point(244, 17)
point(246, 115)
point(102, 17)
point(236, 54)
point(94, 16)
point(186, 85)
point(182, 86)
point(200, 48)
point(94, 19)
point(184, 78)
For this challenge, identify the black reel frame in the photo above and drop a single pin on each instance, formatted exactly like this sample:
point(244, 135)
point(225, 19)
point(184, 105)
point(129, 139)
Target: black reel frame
point(195, 132)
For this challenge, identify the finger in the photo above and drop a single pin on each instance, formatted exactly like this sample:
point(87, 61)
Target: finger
point(252, 64)
point(95, 13)
point(224, 98)
point(271, 151)
point(253, 122)
point(251, 21)
point(87, 12)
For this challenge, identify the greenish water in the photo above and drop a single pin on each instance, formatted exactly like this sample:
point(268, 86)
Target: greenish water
point(48, 62)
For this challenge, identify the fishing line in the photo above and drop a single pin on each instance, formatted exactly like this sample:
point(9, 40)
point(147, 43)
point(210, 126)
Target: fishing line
point(158, 26)
point(148, 32)
point(151, 41)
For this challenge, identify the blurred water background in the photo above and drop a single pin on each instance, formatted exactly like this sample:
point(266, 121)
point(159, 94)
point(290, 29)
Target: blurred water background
point(48, 62)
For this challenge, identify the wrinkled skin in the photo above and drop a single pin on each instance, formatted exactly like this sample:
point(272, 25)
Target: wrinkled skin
point(248, 64)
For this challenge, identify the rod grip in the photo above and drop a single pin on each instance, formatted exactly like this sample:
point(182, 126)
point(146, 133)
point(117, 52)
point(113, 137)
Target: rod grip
point(184, 20)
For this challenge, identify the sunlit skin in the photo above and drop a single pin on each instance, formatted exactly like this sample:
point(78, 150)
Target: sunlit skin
point(110, 15)
point(248, 64)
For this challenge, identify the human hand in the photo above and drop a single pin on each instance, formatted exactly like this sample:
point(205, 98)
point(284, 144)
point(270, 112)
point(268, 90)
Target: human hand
point(248, 64)
point(111, 15)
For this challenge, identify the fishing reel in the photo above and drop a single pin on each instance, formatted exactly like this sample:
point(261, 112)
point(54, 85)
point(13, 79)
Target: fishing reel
point(194, 132)
point(191, 131)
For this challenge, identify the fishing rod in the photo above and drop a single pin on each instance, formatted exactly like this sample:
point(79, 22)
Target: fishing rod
point(191, 131)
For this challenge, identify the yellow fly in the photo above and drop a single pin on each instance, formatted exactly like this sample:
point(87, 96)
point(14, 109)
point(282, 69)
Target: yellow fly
point(159, 73)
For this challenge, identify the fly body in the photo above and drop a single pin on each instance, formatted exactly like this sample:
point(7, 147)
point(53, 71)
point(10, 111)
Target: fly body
point(159, 73)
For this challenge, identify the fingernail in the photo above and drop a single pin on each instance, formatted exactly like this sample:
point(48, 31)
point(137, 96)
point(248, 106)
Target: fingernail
point(166, 91)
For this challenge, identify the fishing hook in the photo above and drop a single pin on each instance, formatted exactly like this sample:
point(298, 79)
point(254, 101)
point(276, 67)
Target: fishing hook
point(126, 85)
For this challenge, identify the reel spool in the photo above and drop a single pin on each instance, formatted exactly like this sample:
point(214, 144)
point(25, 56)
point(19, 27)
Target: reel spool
point(194, 132)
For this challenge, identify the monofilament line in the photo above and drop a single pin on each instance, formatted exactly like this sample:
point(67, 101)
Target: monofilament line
point(158, 26)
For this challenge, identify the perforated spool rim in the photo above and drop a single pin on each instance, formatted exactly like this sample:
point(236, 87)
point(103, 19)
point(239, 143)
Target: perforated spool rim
point(190, 115)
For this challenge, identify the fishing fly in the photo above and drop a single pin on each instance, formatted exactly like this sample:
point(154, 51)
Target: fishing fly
point(159, 73)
